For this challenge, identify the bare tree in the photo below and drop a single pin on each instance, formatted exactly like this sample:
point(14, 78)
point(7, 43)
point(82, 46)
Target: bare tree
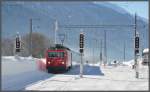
point(40, 43)
point(7, 47)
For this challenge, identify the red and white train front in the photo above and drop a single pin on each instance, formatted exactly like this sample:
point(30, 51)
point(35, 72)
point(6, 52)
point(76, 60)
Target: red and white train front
point(57, 60)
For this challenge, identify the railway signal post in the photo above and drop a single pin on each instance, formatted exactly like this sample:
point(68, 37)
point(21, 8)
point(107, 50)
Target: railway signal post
point(136, 48)
point(17, 44)
point(81, 44)
point(136, 55)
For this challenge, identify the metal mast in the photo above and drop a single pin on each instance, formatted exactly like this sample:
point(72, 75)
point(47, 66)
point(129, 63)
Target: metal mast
point(124, 54)
point(31, 37)
point(56, 29)
point(101, 59)
point(105, 48)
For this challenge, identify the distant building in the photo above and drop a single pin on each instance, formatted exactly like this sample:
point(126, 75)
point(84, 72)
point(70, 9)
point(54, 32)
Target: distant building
point(145, 59)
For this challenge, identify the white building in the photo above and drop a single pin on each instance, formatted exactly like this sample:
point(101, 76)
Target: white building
point(145, 59)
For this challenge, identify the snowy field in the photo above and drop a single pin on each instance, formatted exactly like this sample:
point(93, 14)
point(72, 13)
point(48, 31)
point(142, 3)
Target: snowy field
point(25, 74)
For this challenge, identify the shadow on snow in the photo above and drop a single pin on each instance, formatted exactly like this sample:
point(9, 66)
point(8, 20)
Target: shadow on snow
point(22, 80)
point(87, 70)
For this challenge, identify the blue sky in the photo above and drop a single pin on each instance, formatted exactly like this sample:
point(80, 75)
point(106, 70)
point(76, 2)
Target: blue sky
point(140, 7)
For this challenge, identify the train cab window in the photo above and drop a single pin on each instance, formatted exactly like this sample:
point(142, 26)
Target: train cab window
point(55, 54)
point(61, 54)
point(52, 54)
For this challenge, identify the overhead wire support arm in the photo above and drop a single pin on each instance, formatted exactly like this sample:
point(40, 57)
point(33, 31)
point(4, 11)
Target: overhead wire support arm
point(96, 26)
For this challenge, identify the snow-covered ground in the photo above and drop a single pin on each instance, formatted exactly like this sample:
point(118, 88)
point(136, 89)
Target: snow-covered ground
point(29, 74)
point(12, 65)
point(19, 72)
point(131, 62)
point(95, 78)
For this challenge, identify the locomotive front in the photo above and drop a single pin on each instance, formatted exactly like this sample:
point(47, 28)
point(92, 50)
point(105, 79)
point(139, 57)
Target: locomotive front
point(56, 60)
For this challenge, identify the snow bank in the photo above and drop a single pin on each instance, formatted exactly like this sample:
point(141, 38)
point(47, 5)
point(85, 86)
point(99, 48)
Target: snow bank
point(7, 58)
point(17, 58)
point(131, 62)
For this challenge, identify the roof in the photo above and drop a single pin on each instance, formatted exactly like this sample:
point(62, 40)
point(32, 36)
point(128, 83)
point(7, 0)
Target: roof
point(58, 46)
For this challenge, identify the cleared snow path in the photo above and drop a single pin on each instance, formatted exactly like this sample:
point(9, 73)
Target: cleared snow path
point(106, 78)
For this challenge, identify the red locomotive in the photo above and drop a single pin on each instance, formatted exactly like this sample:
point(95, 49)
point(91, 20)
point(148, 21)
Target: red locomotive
point(58, 58)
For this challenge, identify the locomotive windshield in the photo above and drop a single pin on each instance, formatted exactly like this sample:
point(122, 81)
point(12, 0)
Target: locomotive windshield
point(55, 54)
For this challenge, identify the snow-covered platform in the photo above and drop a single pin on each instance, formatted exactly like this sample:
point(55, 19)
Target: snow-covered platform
point(112, 78)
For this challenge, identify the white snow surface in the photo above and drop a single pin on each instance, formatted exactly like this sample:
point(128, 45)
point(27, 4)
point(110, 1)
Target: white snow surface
point(131, 62)
point(23, 74)
point(106, 78)
point(19, 72)
point(12, 65)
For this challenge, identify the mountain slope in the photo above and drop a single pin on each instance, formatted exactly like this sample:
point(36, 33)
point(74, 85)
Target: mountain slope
point(16, 16)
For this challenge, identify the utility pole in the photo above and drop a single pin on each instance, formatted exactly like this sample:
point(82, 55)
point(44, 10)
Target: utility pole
point(94, 59)
point(136, 48)
point(124, 54)
point(105, 48)
point(137, 55)
point(142, 41)
point(93, 55)
point(66, 37)
point(81, 45)
point(101, 59)
point(91, 50)
point(31, 37)
point(56, 29)
point(134, 39)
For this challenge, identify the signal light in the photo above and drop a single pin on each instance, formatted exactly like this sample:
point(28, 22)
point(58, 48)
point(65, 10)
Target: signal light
point(63, 62)
point(17, 50)
point(136, 42)
point(49, 62)
point(81, 40)
point(137, 51)
point(17, 44)
point(81, 50)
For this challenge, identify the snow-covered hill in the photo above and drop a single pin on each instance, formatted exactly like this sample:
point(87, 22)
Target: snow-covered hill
point(74, 13)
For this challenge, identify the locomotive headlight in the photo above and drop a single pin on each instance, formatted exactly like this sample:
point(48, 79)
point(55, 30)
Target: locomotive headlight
point(62, 62)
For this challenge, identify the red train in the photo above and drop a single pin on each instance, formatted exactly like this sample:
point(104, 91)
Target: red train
point(58, 59)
